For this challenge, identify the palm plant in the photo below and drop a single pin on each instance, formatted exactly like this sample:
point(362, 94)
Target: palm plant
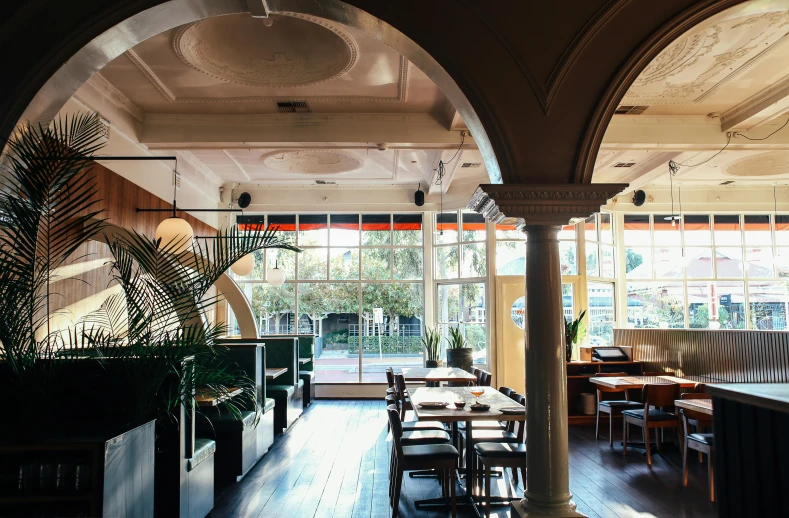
point(573, 331)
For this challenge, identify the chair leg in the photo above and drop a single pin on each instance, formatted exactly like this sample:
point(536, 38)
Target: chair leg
point(711, 474)
point(646, 443)
point(396, 497)
point(701, 457)
point(624, 436)
point(514, 479)
point(487, 490)
point(452, 493)
point(611, 429)
point(685, 465)
point(597, 425)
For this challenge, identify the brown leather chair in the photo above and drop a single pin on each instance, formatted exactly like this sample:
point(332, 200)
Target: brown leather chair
point(441, 457)
point(612, 401)
point(658, 396)
point(701, 442)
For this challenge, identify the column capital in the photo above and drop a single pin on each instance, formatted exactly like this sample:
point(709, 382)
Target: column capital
point(543, 204)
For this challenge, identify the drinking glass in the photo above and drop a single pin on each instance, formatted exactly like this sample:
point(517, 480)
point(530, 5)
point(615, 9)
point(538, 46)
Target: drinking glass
point(477, 392)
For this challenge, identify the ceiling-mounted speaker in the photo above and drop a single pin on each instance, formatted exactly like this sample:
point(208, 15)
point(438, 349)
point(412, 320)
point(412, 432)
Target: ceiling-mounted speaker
point(419, 196)
point(639, 197)
point(244, 199)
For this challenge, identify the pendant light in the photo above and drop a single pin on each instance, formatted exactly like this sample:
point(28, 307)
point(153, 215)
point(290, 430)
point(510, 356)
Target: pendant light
point(174, 234)
point(244, 266)
point(276, 276)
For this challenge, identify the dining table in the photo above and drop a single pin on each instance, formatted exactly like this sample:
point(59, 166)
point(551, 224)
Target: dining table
point(203, 399)
point(638, 382)
point(451, 414)
point(699, 405)
point(437, 374)
point(275, 372)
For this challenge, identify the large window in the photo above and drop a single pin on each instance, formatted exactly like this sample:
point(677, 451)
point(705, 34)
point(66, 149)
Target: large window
point(600, 274)
point(357, 286)
point(511, 250)
point(706, 270)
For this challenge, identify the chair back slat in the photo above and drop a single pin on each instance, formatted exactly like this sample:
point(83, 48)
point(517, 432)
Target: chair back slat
point(521, 425)
point(662, 395)
point(487, 378)
point(401, 393)
point(506, 391)
point(390, 377)
point(397, 429)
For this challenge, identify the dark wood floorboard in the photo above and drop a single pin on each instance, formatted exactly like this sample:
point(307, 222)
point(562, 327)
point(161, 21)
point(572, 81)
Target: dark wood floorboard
point(334, 462)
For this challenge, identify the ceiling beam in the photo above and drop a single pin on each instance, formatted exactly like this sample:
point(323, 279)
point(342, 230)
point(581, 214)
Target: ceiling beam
point(762, 107)
point(396, 131)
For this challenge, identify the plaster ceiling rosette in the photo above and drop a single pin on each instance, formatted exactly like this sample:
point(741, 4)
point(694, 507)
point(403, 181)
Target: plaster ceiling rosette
point(313, 162)
point(766, 164)
point(296, 50)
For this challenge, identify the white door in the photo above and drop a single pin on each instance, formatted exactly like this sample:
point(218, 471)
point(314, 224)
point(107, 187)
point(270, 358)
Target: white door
point(511, 312)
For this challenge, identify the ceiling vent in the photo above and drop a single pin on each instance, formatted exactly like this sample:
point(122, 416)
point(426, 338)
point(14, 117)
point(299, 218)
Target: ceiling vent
point(624, 164)
point(471, 164)
point(630, 110)
point(727, 182)
point(293, 107)
point(324, 182)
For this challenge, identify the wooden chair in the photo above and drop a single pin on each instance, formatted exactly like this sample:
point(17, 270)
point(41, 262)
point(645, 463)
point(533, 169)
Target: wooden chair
point(402, 396)
point(409, 426)
point(390, 381)
point(486, 380)
point(701, 442)
point(609, 402)
point(658, 396)
point(501, 455)
point(698, 424)
point(441, 457)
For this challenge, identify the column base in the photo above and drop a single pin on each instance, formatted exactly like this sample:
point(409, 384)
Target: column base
point(525, 509)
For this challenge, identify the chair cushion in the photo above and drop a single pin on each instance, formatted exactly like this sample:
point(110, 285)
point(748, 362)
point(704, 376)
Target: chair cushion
point(654, 414)
point(269, 404)
point(703, 438)
point(204, 448)
point(417, 437)
point(300, 383)
point(622, 404)
point(430, 452)
point(228, 422)
point(493, 436)
point(280, 390)
point(500, 449)
point(422, 425)
point(484, 425)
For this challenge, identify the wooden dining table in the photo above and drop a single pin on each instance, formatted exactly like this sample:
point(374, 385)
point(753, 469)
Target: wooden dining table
point(205, 400)
point(275, 372)
point(437, 374)
point(699, 405)
point(638, 382)
point(452, 415)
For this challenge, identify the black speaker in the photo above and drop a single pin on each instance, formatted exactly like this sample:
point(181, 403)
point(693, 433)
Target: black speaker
point(639, 197)
point(244, 199)
point(419, 196)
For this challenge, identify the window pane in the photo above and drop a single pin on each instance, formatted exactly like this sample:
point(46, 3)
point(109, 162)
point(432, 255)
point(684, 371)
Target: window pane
point(394, 338)
point(782, 230)
point(407, 229)
point(601, 313)
point(699, 263)
point(376, 229)
point(376, 263)
point(473, 227)
point(282, 259)
point(464, 305)
point(667, 233)
point(344, 263)
point(313, 230)
point(697, 230)
point(344, 230)
point(476, 337)
point(312, 263)
point(592, 264)
point(768, 301)
point(782, 261)
point(607, 261)
point(590, 228)
point(330, 311)
point(474, 260)
point(638, 263)
point(727, 230)
point(567, 232)
point(447, 262)
point(717, 302)
point(567, 256)
point(728, 262)
point(668, 263)
point(507, 230)
point(408, 263)
point(758, 231)
point(606, 229)
point(567, 304)
point(655, 305)
point(637, 230)
point(448, 304)
point(446, 228)
point(511, 258)
point(759, 262)
point(274, 307)
point(285, 225)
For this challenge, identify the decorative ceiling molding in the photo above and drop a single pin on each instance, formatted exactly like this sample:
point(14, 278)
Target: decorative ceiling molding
point(150, 75)
point(765, 164)
point(320, 162)
point(239, 167)
point(329, 56)
point(755, 103)
point(199, 166)
point(115, 96)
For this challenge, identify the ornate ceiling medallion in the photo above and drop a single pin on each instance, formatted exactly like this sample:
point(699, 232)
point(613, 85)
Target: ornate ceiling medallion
point(312, 161)
point(296, 50)
point(766, 164)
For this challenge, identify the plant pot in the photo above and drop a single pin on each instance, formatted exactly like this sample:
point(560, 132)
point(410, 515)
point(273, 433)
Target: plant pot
point(460, 358)
point(568, 351)
point(432, 364)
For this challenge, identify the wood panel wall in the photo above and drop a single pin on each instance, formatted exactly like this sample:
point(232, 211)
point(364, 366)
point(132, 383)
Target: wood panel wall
point(85, 283)
point(726, 355)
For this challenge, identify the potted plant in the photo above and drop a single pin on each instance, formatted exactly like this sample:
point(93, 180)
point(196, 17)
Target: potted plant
point(573, 331)
point(432, 343)
point(458, 353)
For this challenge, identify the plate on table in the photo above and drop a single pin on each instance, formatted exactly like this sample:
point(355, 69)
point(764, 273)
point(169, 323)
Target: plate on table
point(433, 404)
point(514, 410)
point(479, 407)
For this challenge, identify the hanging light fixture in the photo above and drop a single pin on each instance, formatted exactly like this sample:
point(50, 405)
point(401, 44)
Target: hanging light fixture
point(244, 266)
point(276, 276)
point(174, 233)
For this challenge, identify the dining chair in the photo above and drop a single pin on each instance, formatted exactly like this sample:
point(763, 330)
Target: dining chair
point(493, 424)
point(609, 401)
point(402, 395)
point(699, 425)
point(440, 457)
point(501, 455)
point(701, 442)
point(504, 433)
point(658, 396)
point(390, 381)
point(487, 378)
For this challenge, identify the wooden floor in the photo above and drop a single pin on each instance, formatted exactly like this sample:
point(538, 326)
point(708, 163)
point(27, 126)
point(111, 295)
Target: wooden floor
point(334, 461)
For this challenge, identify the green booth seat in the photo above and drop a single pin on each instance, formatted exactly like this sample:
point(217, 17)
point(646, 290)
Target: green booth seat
point(307, 369)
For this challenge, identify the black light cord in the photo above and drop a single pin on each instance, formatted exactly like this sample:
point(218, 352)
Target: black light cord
point(462, 140)
point(763, 138)
point(674, 166)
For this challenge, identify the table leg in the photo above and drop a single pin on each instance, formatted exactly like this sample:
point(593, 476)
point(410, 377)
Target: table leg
point(470, 482)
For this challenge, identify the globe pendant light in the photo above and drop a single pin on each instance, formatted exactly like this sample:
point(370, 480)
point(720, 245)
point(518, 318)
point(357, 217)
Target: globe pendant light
point(174, 234)
point(276, 276)
point(244, 266)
